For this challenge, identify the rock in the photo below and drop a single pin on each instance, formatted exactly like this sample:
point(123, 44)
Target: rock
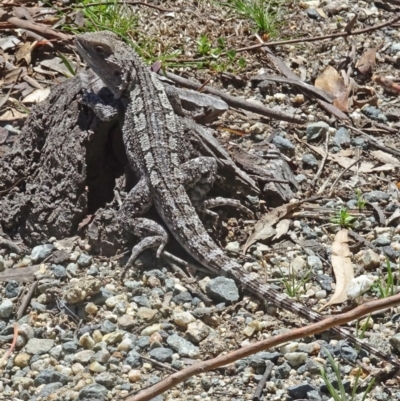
point(91, 308)
point(183, 347)
point(101, 356)
point(47, 376)
point(112, 301)
point(134, 359)
point(70, 347)
point(222, 289)
point(296, 358)
point(59, 271)
point(38, 346)
point(233, 247)
point(84, 356)
point(284, 145)
point(86, 341)
point(299, 391)
point(376, 196)
point(309, 161)
point(374, 114)
point(106, 379)
point(182, 298)
point(22, 360)
point(147, 314)
point(197, 331)
point(107, 327)
point(342, 138)
point(321, 294)
point(41, 252)
point(369, 259)
point(182, 318)
point(113, 338)
point(6, 309)
point(314, 262)
point(316, 131)
point(142, 300)
point(359, 285)
point(161, 354)
point(93, 392)
point(313, 13)
point(125, 345)
point(282, 371)
point(395, 342)
point(2, 267)
point(50, 389)
point(134, 375)
point(72, 269)
point(84, 260)
point(127, 322)
point(96, 367)
point(300, 178)
point(12, 289)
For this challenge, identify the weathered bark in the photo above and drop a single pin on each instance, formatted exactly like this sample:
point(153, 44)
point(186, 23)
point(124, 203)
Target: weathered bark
point(67, 165)
point(61, 166)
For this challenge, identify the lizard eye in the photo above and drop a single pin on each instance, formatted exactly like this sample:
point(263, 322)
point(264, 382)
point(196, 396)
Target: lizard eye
point(99, 49)
point(116, 73)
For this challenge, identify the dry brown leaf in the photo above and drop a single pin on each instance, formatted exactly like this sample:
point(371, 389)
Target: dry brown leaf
point(386, 158)
point(264, 227)
point(25, 52)
point(367, 62)
point(282, 228)
point(11, 115)
point(22, 275)
point(331, 82)
point(342, 267)
point(387, 83)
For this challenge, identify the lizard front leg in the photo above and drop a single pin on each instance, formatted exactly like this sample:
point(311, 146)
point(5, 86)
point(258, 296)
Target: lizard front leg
point(199, 176)
point(152, 234)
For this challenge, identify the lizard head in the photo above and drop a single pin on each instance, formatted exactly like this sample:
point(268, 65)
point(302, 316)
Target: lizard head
point(108, 57)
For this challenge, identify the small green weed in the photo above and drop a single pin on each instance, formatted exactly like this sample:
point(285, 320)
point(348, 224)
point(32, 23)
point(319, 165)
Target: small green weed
point(340, 395)
point(263, 13)
point(292, 286)
point(343, 218)
point(361, 202)
point(360, 331)
point(220, 62)
point(382, 289)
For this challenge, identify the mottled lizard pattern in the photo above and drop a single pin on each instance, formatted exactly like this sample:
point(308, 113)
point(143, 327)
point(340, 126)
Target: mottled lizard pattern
point(152, 136)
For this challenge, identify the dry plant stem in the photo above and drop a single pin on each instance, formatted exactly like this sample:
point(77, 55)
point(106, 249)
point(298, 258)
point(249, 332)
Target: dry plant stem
point(315, 38)
point(309, 330)
point(261, 383)
point(26, 301)
point(236, 102)
point(34, 27)
point(8, 353)
point(111, 3)
point(341, 175)
point(374, 142)
point(321, 167)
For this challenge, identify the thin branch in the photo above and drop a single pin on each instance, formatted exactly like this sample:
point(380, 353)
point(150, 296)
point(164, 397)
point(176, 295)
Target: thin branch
point(341, 175)
point(306, 331)
point(8, 353)
point(235, 101)
point(321, 167)
point(316, 38)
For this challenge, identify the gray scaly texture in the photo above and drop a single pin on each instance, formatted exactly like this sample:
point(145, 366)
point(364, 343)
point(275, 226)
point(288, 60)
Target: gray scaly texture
point(152, 136)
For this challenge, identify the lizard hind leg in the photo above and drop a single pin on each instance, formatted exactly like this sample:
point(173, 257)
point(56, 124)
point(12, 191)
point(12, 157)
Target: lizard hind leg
point(199, 176)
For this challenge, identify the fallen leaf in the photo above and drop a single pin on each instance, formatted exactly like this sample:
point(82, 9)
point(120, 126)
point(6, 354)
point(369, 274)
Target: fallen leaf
point(22, 275)
point(37, 96)
point(386, 158)
point(25, 52)
point(331, 82)
point(264, 227)
point(367, 62)
point(282, 228)
point(387, 83)
point(342, 268)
